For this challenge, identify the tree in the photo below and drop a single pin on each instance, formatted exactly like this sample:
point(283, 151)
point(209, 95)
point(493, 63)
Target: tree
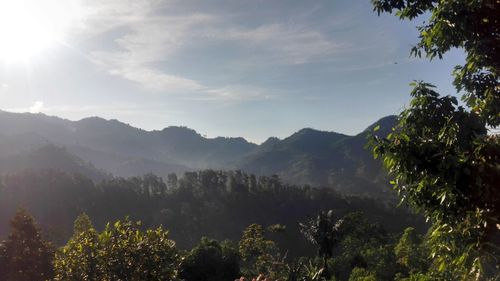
point(325, 232)
point(210, 261)
point(440, 154)
point(130, 254)
point(25, 256)
point(349, 242)
point(172, 181)
point(361, 274)
point(362, 244)
point(120, 252)
point(79, 259)
point(259, 254)
point(82, 224)
point(410, 253)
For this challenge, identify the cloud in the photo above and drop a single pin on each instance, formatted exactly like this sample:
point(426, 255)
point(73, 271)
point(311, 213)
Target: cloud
point(98, 17)
point(149, 42)
point(284, 44)
point(36, 107)
point(143, 37)
point(237, 93)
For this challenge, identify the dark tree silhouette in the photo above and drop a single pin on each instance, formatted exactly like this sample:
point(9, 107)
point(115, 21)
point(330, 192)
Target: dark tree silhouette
point(25, 256)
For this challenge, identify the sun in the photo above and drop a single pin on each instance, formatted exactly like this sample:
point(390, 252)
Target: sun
point(28, 27)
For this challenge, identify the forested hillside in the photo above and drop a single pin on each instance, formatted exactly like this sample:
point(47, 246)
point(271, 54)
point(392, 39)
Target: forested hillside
point(50, 157)
point(209, 203)
point(318, 158)
point(324, 158)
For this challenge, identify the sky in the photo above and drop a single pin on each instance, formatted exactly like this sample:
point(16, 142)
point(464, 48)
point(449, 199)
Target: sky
point(250, 68)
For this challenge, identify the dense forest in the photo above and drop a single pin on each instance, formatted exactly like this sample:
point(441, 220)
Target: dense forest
point(263, 227)
point(209, 203)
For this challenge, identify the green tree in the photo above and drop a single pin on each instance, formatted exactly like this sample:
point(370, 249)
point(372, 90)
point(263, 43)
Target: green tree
point(362, 244)
point(80, 259)
point(442, 158)
point(210, 261)
point(419, 277)
point(258, 253)
point(361, 274)
point(120, 252)
point(82, 224)
point(410, 253)
point(381, 260)
point(25, 256)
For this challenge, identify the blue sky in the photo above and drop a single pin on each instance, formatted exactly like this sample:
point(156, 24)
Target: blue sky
point(225, 68)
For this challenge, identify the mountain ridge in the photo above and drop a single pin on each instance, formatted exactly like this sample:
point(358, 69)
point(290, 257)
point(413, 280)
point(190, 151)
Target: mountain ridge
point(308, 156)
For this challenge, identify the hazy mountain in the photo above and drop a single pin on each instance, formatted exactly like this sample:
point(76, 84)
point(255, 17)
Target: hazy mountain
point(118, 147)
point(307, 157)
point(322, 158)
point(50, 157)
point(189, 148)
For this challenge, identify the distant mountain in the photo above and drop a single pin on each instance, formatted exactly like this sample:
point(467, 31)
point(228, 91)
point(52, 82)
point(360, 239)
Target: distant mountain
point(306, 157)
point(298, 158)
point(50, 157)
point(323, 158)
point(188, 147)
point(118, 147)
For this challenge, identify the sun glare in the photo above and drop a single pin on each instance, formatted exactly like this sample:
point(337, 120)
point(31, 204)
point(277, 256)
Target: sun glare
point(28, 27)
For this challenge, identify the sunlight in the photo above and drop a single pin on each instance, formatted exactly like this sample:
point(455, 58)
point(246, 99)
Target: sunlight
point(28, 27)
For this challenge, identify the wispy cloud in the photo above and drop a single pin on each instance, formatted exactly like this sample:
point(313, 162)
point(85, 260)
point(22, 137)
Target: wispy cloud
point(99, 17)
point(142, 40)
point(280, 43)
point(149, 42)
point(236, 93)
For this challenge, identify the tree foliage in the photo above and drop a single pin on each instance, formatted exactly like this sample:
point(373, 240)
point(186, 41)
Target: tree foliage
point(361, 274)
point(216, 204)
point(120, 252)
point(124, 252)
point(410, 252)
point(211, 261)
point(260, 254)
point(442, 158)
point(324, 232)
point(25, 256)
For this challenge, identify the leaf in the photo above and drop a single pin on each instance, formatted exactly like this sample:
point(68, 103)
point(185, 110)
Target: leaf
point(443, 198)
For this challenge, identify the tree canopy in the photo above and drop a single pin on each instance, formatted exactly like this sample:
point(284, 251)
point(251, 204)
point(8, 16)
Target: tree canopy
point(25, 255)
point(120, 252)
point(444, 156)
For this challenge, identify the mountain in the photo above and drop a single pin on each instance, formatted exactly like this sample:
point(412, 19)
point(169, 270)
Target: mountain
point(323, 158)
point(188, 147)
point(118, 147)
point(307, 157)
point(50, 157)
point(298, 158)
